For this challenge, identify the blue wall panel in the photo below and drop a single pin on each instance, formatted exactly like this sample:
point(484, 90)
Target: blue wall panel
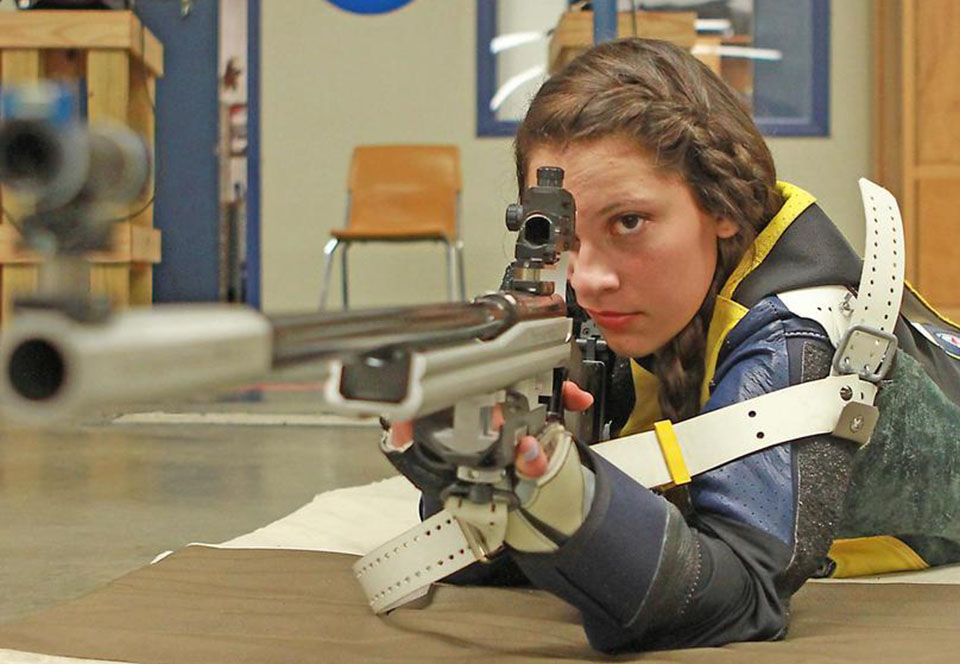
point(187, 205)
point(252, 274)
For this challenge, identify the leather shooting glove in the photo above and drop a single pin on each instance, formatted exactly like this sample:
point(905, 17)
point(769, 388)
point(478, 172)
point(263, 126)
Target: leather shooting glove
point(554, 504)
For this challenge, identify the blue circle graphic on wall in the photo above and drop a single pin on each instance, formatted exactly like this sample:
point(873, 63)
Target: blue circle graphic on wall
point(370, 6)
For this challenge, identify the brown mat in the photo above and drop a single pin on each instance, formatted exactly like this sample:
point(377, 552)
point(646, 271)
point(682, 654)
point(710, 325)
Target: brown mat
point(204, 605)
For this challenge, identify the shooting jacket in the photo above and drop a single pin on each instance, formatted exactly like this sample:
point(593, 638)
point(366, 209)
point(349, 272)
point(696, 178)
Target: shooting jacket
point(646, 576)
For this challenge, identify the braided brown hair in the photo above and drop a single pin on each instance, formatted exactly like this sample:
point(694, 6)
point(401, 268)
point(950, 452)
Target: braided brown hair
point(693, 125)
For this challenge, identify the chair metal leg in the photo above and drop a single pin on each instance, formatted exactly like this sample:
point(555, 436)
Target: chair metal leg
point(451, 272)
point(343, 277)
point(460, 271)
point(328, 254)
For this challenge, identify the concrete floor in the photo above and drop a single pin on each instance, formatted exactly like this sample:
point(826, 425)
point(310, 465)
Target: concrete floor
point(82, 504)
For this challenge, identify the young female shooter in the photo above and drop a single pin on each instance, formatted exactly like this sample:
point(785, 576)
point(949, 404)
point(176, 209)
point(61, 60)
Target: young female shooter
point(690, 257)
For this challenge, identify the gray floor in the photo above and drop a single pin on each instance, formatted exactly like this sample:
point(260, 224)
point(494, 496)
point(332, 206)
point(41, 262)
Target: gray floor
point(81, 505)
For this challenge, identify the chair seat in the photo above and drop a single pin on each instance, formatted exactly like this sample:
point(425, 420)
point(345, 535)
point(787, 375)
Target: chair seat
point(401, 193)
point(391, 234)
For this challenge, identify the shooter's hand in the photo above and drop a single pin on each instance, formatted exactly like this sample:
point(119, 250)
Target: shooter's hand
point(554, 488)
point(531, 460)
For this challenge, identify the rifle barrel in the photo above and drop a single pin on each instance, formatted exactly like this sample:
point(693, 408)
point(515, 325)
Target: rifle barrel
point(301, 338)
point(53, 366)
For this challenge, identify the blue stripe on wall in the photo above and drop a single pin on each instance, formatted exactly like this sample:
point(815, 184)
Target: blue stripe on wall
point(253, 154)
point(187, 204)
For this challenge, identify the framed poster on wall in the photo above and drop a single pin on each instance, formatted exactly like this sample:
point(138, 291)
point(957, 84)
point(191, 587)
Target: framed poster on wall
point(774, 54)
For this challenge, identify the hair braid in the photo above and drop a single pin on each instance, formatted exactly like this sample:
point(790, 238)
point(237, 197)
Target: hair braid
point(680, 364)
point(693, 125)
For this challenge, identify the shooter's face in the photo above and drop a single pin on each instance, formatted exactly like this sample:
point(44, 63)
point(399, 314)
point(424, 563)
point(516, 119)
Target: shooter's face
point(645, 252)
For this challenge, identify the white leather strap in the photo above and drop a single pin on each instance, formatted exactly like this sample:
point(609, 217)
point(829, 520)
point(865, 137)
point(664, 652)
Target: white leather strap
point(881, 286)
point(402, 570)
point(881, 282)
point(713, 439)
point(831, 306)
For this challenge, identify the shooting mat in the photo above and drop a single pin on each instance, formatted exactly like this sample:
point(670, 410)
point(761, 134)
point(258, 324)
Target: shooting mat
point(205, 604)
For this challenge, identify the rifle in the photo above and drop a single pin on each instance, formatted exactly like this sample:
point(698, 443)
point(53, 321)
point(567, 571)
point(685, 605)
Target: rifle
point(66, 353)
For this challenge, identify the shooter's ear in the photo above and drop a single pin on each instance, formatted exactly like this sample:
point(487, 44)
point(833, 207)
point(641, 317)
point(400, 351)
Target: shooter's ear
point(726, 228)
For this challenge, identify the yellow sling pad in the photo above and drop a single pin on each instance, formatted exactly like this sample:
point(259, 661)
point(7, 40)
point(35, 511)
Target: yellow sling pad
point(866, 556)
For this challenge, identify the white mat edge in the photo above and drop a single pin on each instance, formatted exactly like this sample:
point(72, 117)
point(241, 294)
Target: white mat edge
point(22, 657)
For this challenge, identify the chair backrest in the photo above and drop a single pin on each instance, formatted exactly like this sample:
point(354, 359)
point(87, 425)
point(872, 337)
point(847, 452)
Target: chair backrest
point(408, 188)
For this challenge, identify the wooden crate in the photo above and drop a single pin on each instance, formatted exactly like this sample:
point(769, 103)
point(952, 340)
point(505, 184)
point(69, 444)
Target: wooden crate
point(574, 32)
point(119, 61)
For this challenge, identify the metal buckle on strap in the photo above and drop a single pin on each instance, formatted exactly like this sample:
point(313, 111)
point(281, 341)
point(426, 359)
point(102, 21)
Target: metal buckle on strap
point(483, 553)
point(842, 363)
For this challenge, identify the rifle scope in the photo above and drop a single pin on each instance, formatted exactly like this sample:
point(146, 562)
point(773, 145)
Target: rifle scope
point(544, 221)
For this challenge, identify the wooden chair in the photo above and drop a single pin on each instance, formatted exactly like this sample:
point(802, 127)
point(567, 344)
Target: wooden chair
point(401, 193)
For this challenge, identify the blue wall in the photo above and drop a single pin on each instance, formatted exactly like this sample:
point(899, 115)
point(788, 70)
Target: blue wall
point(187, 205)
point(252, 274)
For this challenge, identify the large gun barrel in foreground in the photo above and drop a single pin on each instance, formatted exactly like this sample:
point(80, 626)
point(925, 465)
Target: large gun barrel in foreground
point(400, 362)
